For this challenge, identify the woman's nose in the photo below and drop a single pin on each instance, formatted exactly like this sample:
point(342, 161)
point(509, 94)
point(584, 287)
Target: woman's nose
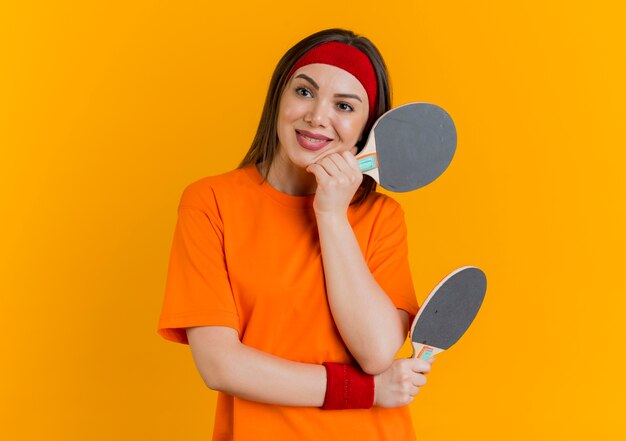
point(317, 114)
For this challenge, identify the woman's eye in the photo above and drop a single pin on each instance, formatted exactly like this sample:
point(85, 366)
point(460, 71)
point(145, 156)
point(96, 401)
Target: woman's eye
point(303, 91)
point(345, 107)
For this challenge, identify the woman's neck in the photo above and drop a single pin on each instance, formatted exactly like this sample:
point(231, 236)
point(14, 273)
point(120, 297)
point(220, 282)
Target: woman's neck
point(289, 179)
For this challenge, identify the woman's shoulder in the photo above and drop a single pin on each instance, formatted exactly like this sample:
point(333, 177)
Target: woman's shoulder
point(379, 202)
point(203, 191)
point(377, 209)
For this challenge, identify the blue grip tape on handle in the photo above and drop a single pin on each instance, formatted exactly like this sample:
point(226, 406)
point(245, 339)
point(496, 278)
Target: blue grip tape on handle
point(425, 353)
point(367, 163)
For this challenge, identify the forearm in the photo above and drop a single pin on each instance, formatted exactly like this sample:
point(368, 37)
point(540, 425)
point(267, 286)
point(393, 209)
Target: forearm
point(368, 321)
point(228, 366)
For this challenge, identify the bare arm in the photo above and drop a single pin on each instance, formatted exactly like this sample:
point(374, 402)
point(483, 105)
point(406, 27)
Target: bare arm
point(227, 365)
point(370, 324)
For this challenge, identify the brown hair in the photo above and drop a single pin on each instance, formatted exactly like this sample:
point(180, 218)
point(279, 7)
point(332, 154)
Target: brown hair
point(265, 143)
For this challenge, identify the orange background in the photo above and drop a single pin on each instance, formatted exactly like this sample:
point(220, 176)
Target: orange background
point(108, 110)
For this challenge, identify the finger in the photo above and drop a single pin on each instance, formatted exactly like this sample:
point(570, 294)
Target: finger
point(351, 161)
point(419, 365)
point(419, 380)
point(320, 173)
point(330, 165)
point(410, 397)
point(342, 162)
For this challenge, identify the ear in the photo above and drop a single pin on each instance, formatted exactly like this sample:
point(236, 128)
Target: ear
point(353, 150)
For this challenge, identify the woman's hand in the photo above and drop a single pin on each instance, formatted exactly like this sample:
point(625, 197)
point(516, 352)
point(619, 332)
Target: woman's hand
point(398, 385)
point(338, 177)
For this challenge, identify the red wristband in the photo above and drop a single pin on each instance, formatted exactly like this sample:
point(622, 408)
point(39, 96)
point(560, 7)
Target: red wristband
point(347, 387)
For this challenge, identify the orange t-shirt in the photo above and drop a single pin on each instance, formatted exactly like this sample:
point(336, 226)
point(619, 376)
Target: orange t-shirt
point(247, 256)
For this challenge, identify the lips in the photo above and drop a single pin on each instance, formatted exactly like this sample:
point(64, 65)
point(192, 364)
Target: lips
point(312, 141)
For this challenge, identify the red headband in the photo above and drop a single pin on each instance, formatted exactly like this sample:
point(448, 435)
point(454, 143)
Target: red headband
point(348, 58)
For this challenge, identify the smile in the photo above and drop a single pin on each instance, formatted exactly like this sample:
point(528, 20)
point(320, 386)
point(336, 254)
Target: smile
point(311, 141)
point(314, 139)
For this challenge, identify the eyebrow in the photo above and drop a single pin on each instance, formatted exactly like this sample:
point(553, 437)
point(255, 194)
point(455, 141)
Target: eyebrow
point(337, 95)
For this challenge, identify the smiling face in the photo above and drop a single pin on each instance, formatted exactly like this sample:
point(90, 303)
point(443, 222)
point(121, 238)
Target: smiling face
point(323, 110)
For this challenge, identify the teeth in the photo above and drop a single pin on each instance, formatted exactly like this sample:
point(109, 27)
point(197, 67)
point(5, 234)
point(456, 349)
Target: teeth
point(313, 139)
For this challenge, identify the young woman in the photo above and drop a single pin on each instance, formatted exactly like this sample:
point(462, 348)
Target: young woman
point(289, 276)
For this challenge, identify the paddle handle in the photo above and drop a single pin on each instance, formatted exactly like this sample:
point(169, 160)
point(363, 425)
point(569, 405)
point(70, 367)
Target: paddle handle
point(368, 162)
point(368, 158)
point(424, 352)
point(369, 165)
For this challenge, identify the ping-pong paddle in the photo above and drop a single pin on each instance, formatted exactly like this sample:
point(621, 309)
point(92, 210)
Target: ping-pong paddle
point(409, 147)
point(448, 311)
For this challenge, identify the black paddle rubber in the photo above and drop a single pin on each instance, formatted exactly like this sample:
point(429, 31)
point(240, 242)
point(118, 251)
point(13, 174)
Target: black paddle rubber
point(450, 309)
point(415, 144)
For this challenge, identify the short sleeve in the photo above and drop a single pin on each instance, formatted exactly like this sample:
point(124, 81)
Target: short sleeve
point(198, 291)
point(388, 258)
